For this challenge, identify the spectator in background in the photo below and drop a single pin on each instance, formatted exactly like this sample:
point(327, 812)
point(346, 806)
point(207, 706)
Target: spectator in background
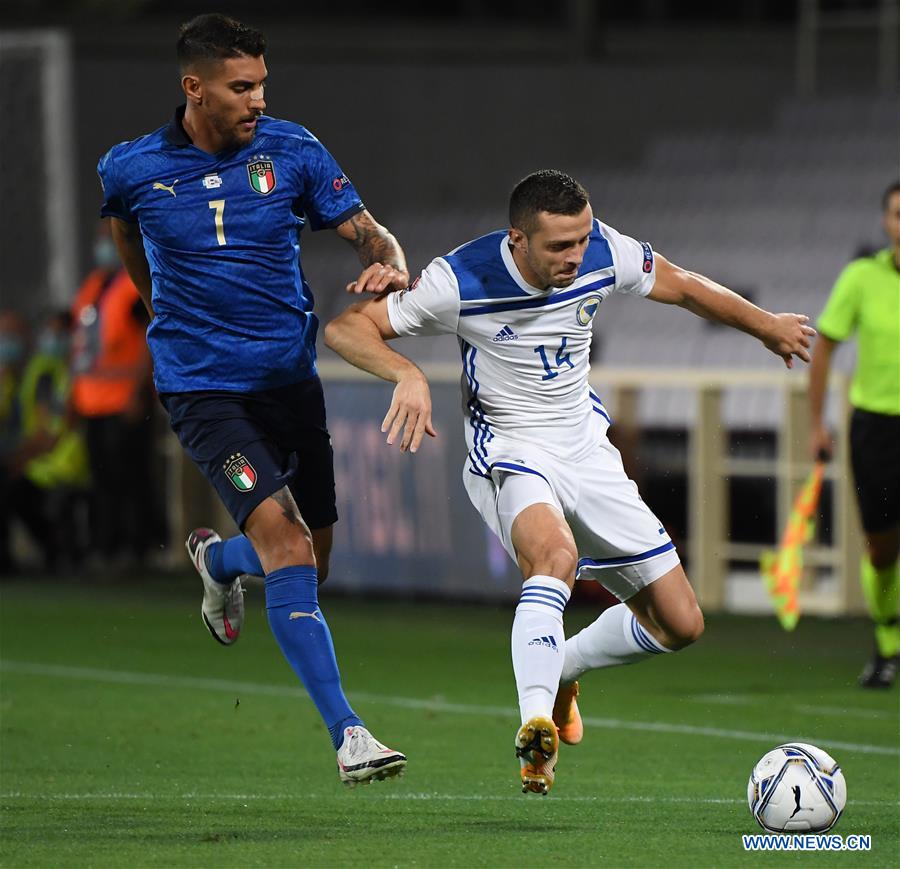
point(13, 352)
point(112, 394)
point(866, 301)
point(46, 469)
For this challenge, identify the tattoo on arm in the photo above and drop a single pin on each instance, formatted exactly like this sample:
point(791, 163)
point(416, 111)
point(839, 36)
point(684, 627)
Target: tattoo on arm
point(285, 500)
point(373, 242)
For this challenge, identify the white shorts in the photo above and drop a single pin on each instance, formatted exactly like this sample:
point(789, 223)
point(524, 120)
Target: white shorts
point(620, 542)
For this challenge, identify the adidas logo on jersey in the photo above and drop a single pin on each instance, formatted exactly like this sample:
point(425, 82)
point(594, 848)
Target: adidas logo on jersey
point(505, 334)
point(549, 642)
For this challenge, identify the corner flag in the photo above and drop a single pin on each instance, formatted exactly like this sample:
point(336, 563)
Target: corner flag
point(782, 569)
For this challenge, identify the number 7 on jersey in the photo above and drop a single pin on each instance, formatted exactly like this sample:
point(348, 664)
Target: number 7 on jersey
point(219, 206)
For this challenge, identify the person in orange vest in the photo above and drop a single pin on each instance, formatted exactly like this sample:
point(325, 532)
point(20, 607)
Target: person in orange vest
point(111, 392)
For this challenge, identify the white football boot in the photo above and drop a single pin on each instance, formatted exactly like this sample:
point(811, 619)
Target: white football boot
point(223, 605)
point(362, 758)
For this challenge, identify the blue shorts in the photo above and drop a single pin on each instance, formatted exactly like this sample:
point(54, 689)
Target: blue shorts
point(250, 445)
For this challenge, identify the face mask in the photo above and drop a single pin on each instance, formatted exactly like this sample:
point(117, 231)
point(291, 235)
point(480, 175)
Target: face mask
point(52, 344)
point(12, 349)
point(105, 254)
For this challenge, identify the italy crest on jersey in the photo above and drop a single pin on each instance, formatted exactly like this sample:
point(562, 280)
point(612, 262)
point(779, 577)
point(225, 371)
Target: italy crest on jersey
point(241, 473)
point(262, 176)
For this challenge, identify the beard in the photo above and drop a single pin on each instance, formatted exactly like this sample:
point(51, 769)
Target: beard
point(565, 280)
point(228, 132)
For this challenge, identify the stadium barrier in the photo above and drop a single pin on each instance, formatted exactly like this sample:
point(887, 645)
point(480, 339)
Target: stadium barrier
point(407, 525)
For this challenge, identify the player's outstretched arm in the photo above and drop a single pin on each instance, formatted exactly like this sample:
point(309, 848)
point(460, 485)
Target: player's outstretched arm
point(359, 335)
point(786, 335)
point(130, 245)
point(384, 265)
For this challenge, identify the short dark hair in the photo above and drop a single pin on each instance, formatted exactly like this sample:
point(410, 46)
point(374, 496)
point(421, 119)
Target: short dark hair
point(886, 198)
point(545, 190)
point(215, 37)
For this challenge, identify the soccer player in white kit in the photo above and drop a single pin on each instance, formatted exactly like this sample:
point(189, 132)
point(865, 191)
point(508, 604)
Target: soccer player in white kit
point(540, 469)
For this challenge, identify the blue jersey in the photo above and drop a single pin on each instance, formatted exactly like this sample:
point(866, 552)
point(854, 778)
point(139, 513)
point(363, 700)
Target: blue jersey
point(222, 238)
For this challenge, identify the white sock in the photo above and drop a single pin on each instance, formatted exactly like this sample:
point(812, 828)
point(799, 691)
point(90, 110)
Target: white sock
point(538, 644)
point(615, 638)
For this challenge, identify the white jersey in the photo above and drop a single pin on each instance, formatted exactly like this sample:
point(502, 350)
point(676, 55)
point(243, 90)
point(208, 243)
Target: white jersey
point(524, 350)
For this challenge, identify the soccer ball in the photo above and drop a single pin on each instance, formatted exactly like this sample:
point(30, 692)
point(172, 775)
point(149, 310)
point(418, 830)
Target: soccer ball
point(797, 788)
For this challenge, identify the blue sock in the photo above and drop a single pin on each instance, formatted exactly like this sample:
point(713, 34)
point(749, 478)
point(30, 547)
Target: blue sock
point(229, 559)
point(297, 622)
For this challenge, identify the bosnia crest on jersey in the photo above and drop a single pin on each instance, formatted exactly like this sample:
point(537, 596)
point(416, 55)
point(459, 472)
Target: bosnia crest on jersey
point(262, 176)
point(586, 310)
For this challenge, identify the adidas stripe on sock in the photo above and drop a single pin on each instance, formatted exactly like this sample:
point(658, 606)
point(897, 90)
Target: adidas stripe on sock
point(615, 638)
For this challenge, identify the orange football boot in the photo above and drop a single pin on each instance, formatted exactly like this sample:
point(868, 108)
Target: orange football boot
point(566, 716)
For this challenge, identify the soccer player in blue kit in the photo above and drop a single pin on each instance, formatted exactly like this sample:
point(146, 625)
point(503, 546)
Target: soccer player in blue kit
point(206, 213)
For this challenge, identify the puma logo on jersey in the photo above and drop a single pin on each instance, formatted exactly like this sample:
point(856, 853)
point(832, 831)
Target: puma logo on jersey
point(505, 334)
point(158, 185)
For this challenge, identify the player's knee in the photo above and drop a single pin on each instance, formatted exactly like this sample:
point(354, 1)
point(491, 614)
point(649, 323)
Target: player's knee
point(559, 561)
point(687, 629)
point(287, 550)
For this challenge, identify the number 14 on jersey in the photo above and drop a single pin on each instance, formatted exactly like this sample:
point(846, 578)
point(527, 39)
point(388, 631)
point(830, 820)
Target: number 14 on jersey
point(562, 359)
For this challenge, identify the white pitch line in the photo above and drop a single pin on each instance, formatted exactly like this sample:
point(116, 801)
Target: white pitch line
point(394, 797)
point(94, 674)
point(810, 708)
point(852, 712)
point(414, 797)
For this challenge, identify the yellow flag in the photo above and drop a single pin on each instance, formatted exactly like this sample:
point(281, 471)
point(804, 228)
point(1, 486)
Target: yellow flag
point(782, 569)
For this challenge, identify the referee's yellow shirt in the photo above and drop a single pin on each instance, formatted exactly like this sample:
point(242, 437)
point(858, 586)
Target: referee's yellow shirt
point(866, 300)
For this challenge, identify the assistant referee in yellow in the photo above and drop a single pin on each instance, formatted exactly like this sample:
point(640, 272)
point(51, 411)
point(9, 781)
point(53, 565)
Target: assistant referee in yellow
point(865, 301)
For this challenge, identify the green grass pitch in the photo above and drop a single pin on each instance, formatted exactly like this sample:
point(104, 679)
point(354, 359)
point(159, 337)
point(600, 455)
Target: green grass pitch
point(130, 739)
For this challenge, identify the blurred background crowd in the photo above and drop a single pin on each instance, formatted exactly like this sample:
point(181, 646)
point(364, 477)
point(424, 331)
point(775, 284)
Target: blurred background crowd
point(77, 427)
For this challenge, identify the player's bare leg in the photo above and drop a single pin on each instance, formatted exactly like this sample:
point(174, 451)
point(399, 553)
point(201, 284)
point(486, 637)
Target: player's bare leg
point(547, 557)
point(287, 552)
point(667, 609)
point(278, 533)
point(662, 617)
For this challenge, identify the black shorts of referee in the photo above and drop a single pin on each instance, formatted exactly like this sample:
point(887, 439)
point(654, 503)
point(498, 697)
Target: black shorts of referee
point(875, 456)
